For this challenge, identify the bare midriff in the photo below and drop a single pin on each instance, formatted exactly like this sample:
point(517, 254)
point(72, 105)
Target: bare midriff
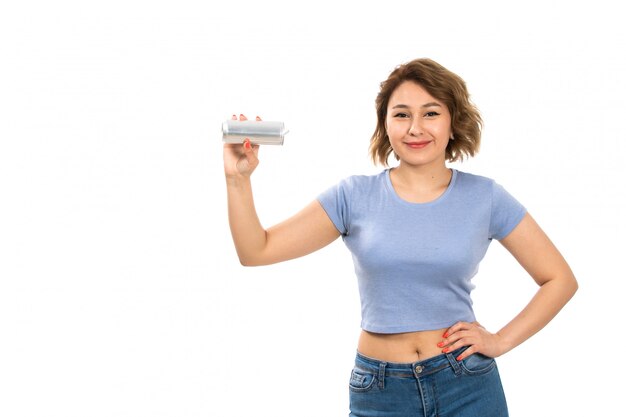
point(401, 347)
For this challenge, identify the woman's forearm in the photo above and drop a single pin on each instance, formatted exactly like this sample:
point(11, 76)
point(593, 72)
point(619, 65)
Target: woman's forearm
point(248, 234)
point(543, 307)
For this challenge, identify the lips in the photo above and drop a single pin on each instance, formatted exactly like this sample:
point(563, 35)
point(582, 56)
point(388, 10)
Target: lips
point(417, 145)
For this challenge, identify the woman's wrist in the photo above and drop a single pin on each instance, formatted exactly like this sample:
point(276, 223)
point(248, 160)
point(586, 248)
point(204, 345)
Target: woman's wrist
point(237, 181)
point(505, 344)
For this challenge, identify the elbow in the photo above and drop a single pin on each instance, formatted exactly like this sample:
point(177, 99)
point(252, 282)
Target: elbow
point(573, 285)
point(246, 262)
point(255, 257)
point(569, 286)
point(565, 284)
point(247, 257)
point(250, 261)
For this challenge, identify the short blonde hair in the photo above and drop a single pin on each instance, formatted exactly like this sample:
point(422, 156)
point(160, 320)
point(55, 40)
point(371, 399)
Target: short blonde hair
point(443, 85)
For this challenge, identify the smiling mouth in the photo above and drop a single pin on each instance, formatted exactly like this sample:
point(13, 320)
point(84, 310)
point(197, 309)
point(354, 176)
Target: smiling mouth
point(417, 145)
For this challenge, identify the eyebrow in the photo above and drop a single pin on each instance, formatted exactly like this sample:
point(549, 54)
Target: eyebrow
point(404, 106)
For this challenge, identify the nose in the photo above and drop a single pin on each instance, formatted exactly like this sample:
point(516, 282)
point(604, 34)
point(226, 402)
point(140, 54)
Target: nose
point(416, 128)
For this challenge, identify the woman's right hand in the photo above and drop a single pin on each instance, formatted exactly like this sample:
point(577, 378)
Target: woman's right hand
point(240, 160)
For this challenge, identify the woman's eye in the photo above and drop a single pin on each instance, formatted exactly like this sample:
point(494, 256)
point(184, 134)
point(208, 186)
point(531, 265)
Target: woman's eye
point(401, 115)
point(431, 114)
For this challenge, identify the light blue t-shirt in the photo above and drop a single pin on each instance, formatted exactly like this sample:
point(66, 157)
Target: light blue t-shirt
point(415, 261)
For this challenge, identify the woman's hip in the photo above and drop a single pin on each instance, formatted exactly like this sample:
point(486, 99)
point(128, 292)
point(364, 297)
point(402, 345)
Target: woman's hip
point(440, 385)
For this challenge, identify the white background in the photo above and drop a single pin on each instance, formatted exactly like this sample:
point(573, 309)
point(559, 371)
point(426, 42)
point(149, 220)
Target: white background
point(120, 291)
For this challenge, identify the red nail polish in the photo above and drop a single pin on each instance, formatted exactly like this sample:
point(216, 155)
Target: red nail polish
point(458, 358)
point(445, 335)
point(446, 350)
point(247, 144)
point(440, 344)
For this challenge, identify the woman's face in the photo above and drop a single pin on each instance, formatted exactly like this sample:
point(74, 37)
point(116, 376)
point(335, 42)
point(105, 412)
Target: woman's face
point(418, 125)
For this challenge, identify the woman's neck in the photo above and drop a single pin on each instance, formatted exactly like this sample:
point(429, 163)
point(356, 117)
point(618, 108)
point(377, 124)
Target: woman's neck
point(423, 178)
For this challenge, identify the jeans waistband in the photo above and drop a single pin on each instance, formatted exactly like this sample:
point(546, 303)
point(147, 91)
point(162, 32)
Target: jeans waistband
point(409, 370)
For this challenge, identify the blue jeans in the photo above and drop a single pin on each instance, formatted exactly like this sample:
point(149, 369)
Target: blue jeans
point(436, 387)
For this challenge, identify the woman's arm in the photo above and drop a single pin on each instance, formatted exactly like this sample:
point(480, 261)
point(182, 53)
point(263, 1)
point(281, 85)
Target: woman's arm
point(541, 259)
point(307, 231)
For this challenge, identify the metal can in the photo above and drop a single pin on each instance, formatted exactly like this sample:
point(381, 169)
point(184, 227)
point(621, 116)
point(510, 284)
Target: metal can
point(259, 132)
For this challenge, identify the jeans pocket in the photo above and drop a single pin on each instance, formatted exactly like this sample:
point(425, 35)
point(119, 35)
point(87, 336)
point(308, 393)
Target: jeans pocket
point(477, 364)
point(361, 381)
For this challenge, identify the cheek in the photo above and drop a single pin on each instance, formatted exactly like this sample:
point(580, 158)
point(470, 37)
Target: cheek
point(442, 132)
point(394, 130)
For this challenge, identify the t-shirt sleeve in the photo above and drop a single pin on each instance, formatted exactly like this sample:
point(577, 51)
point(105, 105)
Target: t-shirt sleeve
point(335, 202)
point(506, 213)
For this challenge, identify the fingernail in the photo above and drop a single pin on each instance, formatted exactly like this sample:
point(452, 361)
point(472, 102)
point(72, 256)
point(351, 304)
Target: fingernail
point(458, 358)
point(247, 144)
point(440, 344)
point(446, 350)
point(445, 335)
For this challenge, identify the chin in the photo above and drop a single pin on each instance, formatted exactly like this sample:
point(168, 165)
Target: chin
point(417, 161)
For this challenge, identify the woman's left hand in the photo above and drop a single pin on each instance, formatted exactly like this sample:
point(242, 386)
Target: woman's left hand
point(473, 335)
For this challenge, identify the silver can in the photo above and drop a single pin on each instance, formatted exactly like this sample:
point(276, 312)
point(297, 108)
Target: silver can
point(259, 132)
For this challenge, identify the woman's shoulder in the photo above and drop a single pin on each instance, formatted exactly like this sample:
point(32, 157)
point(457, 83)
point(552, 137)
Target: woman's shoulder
point(363, 182)
point(472, 178)
point(474, 182)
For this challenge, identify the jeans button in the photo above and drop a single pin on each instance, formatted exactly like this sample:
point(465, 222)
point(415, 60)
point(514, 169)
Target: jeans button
point(419, 369)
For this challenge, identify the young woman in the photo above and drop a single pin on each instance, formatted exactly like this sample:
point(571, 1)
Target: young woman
point(417, 233)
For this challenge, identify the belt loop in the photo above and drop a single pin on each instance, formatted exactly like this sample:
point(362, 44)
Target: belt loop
point(455, 365)
point(381, 375)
